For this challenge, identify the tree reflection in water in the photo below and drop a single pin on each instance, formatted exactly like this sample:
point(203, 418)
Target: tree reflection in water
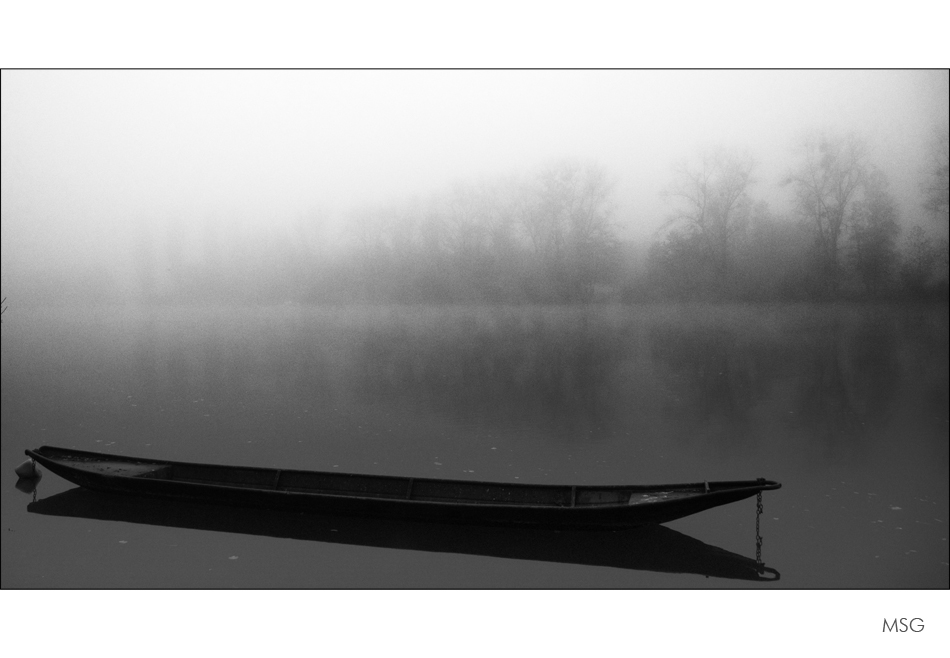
point(722, 376)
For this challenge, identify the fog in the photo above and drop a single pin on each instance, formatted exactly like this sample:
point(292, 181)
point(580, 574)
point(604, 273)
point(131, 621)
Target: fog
point(531, 277)
point(105, 173)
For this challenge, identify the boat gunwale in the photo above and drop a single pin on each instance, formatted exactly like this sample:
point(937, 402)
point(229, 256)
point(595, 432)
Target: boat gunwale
point(724, 486)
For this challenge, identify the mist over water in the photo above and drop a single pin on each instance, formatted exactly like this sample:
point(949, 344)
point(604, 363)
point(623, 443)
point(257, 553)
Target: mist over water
point(571, 277)
point(846, 406)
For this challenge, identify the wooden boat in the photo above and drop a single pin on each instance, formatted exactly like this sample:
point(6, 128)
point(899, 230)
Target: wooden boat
point(425, 499)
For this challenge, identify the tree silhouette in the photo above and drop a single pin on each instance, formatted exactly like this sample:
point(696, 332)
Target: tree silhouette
point(832, 173)
point(936, 185)
point(710, 208)
point(874, 232)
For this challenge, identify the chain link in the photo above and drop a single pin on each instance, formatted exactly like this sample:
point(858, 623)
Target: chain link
point(36, 479)
point(758, 537)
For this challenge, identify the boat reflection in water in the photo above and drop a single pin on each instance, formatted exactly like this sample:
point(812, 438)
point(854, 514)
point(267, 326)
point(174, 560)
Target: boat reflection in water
point(647, 548)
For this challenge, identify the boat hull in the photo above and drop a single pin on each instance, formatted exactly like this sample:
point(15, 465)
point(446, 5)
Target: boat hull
point(517, 505)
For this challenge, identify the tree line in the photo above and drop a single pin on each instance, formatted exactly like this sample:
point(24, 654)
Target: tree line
point(552, 237)
point(842, 238)
point(548, 237)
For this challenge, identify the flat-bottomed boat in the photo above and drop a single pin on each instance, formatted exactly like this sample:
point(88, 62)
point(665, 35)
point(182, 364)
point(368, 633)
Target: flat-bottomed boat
point(423, 499)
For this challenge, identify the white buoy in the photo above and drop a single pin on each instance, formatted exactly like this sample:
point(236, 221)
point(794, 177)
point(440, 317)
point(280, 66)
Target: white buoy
point(27, 469)
point(28, 485)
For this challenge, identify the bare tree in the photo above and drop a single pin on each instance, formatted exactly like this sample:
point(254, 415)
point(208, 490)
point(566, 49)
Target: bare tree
point(936, 185)
point(874, 231)
point(510, 201)
point(569, 226)
point(545, 222)
point(467, 221)
point(828, 180)
point(711, 202)
point(920, 259)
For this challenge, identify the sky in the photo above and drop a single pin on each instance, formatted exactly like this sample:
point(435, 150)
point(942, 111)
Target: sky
point(89, 157)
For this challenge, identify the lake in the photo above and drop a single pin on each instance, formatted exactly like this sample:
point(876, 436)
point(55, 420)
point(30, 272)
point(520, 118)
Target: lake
point(845, 404)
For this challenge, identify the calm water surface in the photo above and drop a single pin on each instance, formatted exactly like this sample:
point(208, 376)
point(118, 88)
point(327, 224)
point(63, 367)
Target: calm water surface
point(846, 405)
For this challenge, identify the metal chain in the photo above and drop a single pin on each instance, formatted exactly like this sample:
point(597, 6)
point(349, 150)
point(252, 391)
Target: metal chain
point(758, 537)
point(36, 483)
